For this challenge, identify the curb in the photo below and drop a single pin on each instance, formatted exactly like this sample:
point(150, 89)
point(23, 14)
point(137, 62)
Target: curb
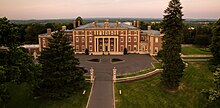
point(139, 77)
point(87, 105)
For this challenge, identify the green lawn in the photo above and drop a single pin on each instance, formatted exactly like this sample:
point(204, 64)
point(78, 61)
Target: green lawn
point(21, 99)
point(193, 50)
point(157, 65)
point(148, 93)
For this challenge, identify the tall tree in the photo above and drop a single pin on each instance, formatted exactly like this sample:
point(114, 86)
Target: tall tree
point(9, 35)
point(215, 44)
point(173, 65)
point(15, 65)
point(61, 74)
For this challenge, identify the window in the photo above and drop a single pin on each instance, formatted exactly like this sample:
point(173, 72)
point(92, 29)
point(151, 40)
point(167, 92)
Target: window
point(135, 32)
point(129, 39)
point(135, 39)
point(156, 49)
point(83, 39)
point(83, 48)
point(100, 32)
point(129, 47)
point(90, 32)
point(76, 32)
point(90, 39)
point(90, 47)
point(122, 48)
point(129, 33)
point(156, 40)
point(112, 33)
point(77, 47)
point(135, 47)
point(77, 39)
point(122, 39)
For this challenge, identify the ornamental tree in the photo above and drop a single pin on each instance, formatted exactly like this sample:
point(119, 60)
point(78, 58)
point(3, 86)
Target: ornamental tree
point(61, 74)
point(172, 26)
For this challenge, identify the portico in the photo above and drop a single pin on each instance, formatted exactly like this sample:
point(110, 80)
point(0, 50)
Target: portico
point(106, 44)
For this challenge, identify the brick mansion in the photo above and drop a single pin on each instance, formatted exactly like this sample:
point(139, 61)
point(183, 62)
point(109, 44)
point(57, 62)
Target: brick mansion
point(107, 38)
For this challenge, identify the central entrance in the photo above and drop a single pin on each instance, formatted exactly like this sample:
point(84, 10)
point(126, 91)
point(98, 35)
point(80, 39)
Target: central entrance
point(106, 48)
point(106, 44)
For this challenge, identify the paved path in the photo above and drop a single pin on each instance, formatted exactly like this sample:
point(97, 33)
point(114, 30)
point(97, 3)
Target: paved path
point(102, 93)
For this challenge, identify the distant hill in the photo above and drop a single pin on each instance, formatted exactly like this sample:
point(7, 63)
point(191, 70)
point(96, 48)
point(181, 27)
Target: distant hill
point(66, 21)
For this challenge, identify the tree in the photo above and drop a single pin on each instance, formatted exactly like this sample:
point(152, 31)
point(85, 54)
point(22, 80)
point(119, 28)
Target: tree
point(172, 26)
point(202, 40)
point(213, 95)
point(61, 74)
point(16, 66)
point(215, 43)
point(32, 32)
point(9, 35)
point(87, 51)
point(125, 51)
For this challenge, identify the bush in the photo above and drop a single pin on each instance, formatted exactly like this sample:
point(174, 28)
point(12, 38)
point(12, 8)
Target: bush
point(87, 51)
point(125, 51)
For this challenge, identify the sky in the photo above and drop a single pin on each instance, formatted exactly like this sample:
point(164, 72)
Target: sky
point(59, 9)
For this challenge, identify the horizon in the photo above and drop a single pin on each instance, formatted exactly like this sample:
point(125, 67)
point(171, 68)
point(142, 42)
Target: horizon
point(56, 9)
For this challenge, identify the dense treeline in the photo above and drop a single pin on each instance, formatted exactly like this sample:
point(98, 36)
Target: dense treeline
point(44, 80)
point(195, 32)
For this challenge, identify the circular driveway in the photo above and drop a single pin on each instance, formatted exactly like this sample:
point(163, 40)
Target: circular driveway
point(131, 63)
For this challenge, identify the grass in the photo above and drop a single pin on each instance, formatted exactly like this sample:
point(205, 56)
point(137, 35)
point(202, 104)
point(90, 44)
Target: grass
point(116, 60)
point(94, 60)
point(157, 65)
point(21, 98)
point(194, 50)
point(149, 93)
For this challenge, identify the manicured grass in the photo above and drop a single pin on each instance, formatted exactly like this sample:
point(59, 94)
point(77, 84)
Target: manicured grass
point(193, 50)
point(21, 98)
point(94, 60)
point(149, 93)
point(116, 60)
point(157, 65)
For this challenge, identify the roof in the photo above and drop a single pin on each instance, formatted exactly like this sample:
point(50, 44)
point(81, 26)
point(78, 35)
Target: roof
point(110, 25)
point(153, 32)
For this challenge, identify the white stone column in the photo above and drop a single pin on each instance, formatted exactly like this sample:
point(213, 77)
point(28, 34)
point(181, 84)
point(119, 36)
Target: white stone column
point(114, 44)
point(85, 33)
point(114, 74)
point(95, 44)
point(103, 39)
point(109, 44)
point(117, 44)
point(138, 41)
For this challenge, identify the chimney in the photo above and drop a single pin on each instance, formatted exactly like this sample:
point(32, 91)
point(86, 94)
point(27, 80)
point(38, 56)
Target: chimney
point(63, 28)
point(148, 27)
point(135, 24)
point(78, 23)
point(117, 23)
point(74, 24)
point(95, 23)
point(138, 24)
point(49, 31)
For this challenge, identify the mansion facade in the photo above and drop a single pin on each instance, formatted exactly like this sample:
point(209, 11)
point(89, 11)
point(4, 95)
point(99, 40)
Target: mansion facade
point(109, 38)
